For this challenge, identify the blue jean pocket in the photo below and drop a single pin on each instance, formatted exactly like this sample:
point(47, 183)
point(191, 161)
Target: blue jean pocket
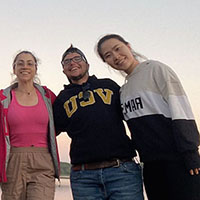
point(74, 175)
point(131, 167)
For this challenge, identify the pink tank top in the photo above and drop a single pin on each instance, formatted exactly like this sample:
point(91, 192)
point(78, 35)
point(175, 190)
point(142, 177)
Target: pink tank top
point(28, 125)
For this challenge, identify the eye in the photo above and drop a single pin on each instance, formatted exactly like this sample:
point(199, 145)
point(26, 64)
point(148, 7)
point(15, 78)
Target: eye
point(66, 62)
point(30, 64)
point(20, 64)
point(77, 58)
point(107, 56)
point(117, 48)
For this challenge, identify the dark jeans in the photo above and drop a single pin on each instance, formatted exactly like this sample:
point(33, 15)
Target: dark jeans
point(113, 183)
point(166, 180)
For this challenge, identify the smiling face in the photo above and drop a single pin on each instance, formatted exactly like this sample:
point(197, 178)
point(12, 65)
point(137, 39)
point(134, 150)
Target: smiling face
point(25, 67)
point(118, 55)
point(75, 68)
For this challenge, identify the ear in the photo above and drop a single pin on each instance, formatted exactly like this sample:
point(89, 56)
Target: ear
point(64, 72)
point(88, 66)
point(129, 46)
point(14, 70)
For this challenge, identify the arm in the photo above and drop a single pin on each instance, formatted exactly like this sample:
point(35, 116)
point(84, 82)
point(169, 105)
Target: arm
point(59, 116)
point(185, 131)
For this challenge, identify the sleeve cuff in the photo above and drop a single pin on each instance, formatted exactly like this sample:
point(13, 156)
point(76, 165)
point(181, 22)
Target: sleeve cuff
point(191, 160)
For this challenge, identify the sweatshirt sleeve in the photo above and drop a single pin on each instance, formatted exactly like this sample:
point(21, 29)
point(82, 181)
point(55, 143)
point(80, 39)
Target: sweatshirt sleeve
point(184, 127)
point(59, 116)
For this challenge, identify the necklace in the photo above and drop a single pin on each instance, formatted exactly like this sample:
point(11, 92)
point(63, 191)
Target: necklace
point(27, 92)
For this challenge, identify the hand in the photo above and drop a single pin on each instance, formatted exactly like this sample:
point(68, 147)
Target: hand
point(194, 171)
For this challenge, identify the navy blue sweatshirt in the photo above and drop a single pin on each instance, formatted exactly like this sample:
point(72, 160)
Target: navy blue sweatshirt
point(95, 124)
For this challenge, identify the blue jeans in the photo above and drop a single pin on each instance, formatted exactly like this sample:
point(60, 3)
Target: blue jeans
point(114, 183)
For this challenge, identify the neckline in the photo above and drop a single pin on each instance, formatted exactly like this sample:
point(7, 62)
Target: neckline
point(14, 97)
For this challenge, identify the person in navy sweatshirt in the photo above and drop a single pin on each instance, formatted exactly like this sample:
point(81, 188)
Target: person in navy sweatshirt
point(102, 155)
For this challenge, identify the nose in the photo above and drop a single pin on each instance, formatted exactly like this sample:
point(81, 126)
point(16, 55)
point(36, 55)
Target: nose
point(72, 62)
point(116, 55)
point(25, 66)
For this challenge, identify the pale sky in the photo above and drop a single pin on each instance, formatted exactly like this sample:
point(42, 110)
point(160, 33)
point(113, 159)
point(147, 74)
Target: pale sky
point(164, 30)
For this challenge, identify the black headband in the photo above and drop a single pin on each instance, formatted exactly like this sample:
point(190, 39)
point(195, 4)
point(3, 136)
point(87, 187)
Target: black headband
point(74, 50)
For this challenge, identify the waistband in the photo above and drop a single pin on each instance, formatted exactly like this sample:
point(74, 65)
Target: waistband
point(101, 165)
point(29, 149)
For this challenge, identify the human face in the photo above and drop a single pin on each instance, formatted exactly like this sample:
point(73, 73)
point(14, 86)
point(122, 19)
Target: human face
point(118, 55)
point(76, 69)
point(25, 67)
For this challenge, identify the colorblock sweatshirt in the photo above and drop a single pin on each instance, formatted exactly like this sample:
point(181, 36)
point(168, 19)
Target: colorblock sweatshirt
point(159, 115)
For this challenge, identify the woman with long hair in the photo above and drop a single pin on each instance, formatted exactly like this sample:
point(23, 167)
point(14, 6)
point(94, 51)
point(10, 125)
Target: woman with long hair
point(28, 152)
point(160, 119)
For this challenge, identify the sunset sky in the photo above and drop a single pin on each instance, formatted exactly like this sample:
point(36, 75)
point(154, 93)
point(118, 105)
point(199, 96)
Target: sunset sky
point(164, 30)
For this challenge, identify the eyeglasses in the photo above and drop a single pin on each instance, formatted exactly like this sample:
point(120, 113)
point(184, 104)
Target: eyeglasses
point(75, 59)
point(86, 92)
point(23, 64)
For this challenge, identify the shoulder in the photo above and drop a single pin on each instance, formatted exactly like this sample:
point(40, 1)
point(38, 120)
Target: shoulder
point(1, 94)
point(108, 82)
point(49, 94)
point(48, 90)
point(155, 64)
point(62, 96)
point(162, 73)
point(5, 92)
point(160, 68)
